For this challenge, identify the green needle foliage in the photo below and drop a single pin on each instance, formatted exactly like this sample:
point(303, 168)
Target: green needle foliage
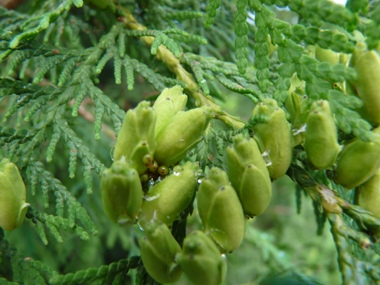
point(69, 72)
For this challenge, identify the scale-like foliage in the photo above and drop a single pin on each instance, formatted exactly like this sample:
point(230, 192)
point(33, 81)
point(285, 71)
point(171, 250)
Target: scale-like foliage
point(70, 69)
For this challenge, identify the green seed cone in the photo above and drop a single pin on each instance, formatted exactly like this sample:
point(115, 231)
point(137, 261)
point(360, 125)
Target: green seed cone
point(220, 211)
point(158, 250)
point(359, 49)
point(367, 85)
point(327, 55)
point(367, 195)
point(12, 196)
point(168, 104)
point(357, 162)
point(122, 193)
point(297, 106)
point(181, 134)
point(136, 138)
point(249, 175)
point(272, 48)
point(201, 260)
point(166, 200)
point(321, 137)
point(275, 136)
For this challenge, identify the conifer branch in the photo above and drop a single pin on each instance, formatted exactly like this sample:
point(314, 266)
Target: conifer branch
point(350, 267)
point(106, 273)
point(44, 21)
point(54, 57)
point(38, 175)
point(54, 223)
point(181, 74)
point(327, 200)
point(24, 268)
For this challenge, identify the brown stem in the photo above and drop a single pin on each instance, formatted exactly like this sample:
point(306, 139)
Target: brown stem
point(321, 194)
point(332, 203)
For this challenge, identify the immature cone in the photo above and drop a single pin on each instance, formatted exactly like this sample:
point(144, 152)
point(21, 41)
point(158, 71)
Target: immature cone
point(327, 55)
point(294, 105)
point(359, 49)
point(367, 85)
point(275, 136)
point(297, 106)
point(249, 175)
point(12, 196)
point(201, 260)
point(158, 250)
point(321, 136)
point(220, 210)
point(272, 48)
point(136, 138)
point(166, 200)
point(181, 134)
point(357, 162)
point(367, 195)
point(168, 104)
point(122, 193)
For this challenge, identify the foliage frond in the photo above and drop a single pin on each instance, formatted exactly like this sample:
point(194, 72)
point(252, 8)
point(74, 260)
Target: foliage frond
point(8, 134)
point(106, 273)
point(372, 29)
point(212, 6)
point(53, 223)
point(24, 268)
point(48, 183)
point(71, 70)
point(77, 147)
point(241, 32)
point(160, 38)
point(349, 265)
point(31, 31)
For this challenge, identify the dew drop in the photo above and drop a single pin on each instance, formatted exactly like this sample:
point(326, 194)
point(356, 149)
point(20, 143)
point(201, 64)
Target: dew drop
point(152, 198)
point(300, 130)
point(122, 159)
point(140, 227)
point(154, 216)
point(122, 221)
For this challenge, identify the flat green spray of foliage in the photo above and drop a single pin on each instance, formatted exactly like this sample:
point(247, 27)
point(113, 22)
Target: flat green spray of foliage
point(70, 69)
